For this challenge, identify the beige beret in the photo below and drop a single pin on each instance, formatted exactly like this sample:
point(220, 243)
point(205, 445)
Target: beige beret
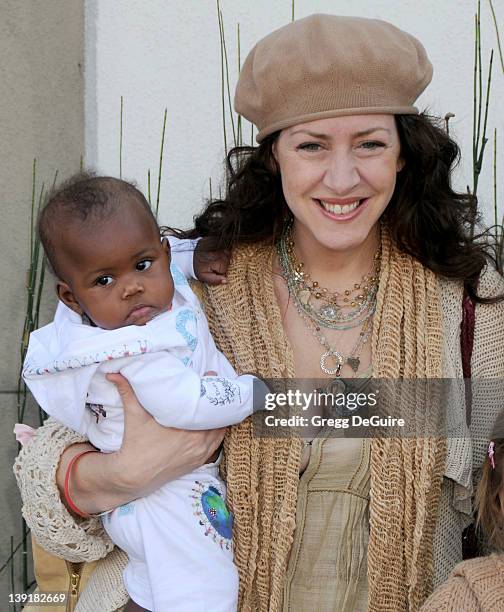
point(327, 66)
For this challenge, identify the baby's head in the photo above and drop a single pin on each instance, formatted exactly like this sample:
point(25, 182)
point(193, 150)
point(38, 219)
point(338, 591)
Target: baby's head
point(103, 244)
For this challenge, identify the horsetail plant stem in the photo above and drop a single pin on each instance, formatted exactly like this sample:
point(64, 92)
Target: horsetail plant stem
point(497, 34)
point(239, 119)
point(495, 176)
point(34, 287)
point(161, 162)
point(223, 98)
point(225, 73)
point(480, 71)
point(34, 173)
point(484, 139)
point(121, 138)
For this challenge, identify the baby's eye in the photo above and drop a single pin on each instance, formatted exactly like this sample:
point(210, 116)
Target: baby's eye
point(103, 281)
point(143, 265)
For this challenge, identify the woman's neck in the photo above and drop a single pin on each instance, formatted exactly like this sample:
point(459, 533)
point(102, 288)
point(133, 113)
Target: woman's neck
point(336, 269)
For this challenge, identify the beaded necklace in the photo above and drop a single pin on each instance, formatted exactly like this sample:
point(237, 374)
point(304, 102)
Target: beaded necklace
point(301, 288)
point(339, 310)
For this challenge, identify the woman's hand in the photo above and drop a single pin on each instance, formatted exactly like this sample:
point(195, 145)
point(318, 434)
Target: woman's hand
point(150, 456)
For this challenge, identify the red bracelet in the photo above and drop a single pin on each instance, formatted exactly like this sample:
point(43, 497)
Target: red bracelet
point(66, 491)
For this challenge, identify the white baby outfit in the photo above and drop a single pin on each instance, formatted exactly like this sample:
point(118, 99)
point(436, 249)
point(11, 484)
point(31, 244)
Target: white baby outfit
point(178, 539)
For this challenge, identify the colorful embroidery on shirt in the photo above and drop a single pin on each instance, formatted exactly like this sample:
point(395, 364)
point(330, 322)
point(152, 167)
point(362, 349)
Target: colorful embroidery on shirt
point(138, 347)
point(178, 278)
point(210, 509)
point(126, 509)
point(183, 318)
point(220, 391)
point(98, 410)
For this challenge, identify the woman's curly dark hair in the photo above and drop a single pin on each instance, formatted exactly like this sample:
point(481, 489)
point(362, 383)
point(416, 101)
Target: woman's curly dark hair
point(427, 218)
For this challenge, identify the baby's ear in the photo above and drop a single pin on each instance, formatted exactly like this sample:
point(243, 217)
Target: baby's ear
point(66, 295)
point(166, 247)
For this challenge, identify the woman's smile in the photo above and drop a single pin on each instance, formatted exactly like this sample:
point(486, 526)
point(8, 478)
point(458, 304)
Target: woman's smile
point(342, 211)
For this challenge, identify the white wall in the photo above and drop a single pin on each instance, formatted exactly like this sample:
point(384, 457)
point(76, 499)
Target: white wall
point(162, 53)
point(41, 116)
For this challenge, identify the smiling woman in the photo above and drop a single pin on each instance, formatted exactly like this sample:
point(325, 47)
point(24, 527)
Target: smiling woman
point(351, 256)
point(338, 176)
point(348, 201)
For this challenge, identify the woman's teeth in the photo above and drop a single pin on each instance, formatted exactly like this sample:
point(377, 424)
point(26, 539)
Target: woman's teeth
point(336, 209)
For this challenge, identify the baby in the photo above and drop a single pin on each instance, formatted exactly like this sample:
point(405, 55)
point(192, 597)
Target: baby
point(123, 309)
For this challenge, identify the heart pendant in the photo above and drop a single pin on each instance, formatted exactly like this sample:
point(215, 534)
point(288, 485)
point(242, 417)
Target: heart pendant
point(354, 363)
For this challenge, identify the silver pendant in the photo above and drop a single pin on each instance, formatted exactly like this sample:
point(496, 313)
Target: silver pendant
point(339, 359)
point(354, 363)
point(329, 312)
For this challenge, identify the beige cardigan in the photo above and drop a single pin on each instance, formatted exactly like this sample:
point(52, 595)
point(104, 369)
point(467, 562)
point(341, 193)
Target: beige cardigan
point(474, 586)
point(77, 540)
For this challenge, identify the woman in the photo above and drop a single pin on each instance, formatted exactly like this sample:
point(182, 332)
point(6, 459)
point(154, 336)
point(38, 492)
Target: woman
point(350, 254)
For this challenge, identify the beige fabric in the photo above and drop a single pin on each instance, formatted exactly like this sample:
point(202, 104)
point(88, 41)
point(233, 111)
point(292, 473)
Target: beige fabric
point(54, 575)
point(406, 475)
point(46, 515)
point(51, 523)
point(327, 568)
point(464, 455)
point(59, 532)
point(105, 589)
point(474, 586)
point(327, 66)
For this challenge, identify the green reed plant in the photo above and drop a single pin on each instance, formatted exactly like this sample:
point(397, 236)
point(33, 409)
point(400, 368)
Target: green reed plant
point(161, 163)
point(35, 278)
point(161, 153)
point(225, 84)
point(481, 100)
point(160, 171)
point(34, 287)
point(494, 17)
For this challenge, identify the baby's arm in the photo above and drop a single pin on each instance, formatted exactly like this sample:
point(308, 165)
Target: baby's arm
point(182, 252)
point(178, 397)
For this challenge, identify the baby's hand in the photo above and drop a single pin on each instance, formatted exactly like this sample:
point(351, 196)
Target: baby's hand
point(210, 266)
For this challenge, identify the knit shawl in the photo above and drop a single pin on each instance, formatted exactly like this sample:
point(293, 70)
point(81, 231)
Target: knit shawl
point(262, 474)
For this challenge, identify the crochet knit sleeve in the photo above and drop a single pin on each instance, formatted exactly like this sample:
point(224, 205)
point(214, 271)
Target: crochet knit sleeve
point(54, 528)
point(454, 595)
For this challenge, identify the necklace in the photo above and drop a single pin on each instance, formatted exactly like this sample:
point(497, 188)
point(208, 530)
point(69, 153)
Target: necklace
point(302, 288)
point(339, 310)
point(344, 299)
point(353, 359)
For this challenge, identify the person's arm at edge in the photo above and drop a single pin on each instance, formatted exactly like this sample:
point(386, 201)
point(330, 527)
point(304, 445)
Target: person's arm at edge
point(454, 595)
